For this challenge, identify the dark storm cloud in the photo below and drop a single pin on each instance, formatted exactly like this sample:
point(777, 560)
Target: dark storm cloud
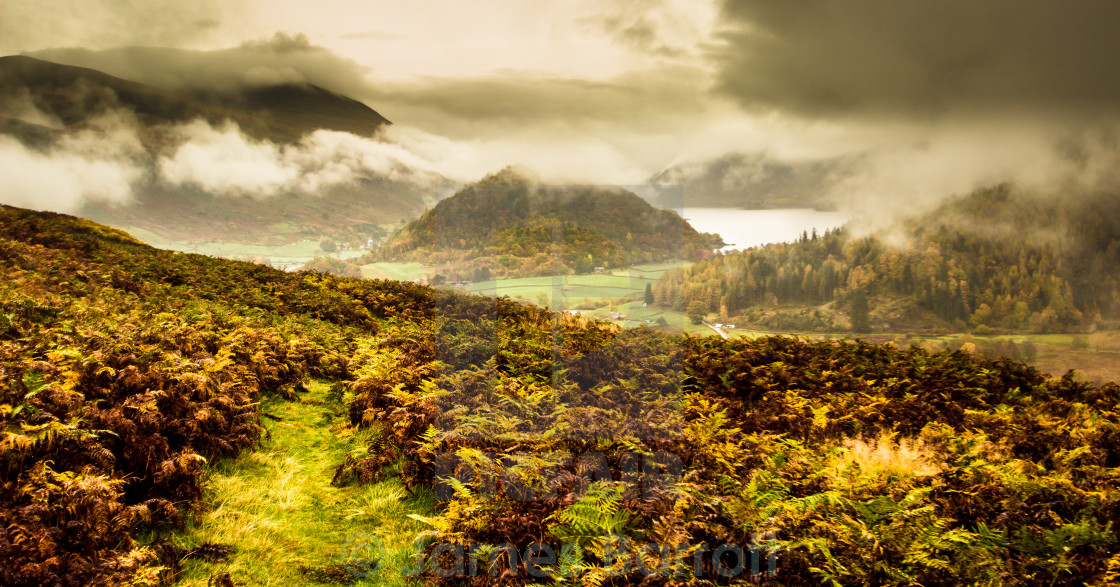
point(657, 99)
point(911, 58)
point(654, 99)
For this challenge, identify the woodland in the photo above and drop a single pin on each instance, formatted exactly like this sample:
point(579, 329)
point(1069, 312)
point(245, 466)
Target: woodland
point(993, 261)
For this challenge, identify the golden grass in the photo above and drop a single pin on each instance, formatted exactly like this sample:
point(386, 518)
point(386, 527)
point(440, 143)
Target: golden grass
point(881, 459)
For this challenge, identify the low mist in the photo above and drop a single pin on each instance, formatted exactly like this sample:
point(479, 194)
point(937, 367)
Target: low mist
point(112, 158)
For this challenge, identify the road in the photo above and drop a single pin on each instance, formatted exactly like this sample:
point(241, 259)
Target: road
point(719, 331)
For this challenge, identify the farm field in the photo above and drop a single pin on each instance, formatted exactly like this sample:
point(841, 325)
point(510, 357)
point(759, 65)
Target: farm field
point(280, 256)
point(577, 289)
point(398, 271)
point(616, 284)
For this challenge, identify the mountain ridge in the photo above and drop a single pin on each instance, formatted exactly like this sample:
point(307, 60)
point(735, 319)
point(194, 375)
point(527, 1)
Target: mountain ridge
point(280, 113)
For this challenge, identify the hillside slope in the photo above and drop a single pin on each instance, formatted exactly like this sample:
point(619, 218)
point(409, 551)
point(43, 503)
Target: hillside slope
point(994, 260)
point(129, 371)
point(517, 228)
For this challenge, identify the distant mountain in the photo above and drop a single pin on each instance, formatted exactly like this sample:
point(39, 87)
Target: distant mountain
point(41, 102)
point(279, 113)
point(753, 181)
point(514, 227)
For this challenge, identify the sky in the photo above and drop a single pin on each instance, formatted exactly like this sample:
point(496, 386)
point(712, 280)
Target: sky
point(942, 96)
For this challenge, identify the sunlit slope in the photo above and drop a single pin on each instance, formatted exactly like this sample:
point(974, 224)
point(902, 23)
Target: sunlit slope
point(132, 371)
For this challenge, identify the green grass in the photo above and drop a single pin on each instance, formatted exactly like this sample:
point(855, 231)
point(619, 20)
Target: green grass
point(287, 525)
point(636, 316)
point(619, 283)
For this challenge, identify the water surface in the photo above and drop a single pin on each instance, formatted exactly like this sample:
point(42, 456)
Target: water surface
point(742, 229)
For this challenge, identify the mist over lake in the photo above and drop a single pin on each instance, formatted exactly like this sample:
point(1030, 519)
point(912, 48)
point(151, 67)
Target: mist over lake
point(742, 229)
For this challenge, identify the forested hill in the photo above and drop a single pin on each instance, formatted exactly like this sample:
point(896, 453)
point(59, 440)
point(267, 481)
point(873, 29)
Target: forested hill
point(994, 260)
point(130, 374)
point(514, 227)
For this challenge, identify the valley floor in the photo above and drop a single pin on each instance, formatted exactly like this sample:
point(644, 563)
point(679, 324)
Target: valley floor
point(1096, 357)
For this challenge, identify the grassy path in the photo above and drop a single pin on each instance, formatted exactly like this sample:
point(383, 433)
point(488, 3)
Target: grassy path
point(286, 524)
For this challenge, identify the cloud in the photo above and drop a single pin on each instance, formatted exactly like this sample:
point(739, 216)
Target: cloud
point(660, 99)
point(102, 163)
point(282, 58)
point(920, 59)
point(368, 36)
point(618, 129)
point(908, 176)
point(662, 28)
point(20, 106)
point(105, 161)
point(27, 25)
point(224, 161)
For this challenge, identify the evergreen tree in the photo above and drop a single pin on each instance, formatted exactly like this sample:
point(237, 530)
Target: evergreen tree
point(649, 294)
point(861, 312)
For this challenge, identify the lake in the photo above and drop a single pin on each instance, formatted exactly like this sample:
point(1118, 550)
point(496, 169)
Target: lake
point(742, 229)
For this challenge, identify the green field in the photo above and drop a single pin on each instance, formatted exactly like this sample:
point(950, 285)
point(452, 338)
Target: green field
point(636, 316)
point(278, 255)
point(398, 271)
point(573, 289)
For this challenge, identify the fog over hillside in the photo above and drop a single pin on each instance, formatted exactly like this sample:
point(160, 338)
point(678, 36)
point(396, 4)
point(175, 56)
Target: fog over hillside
point(79, 140)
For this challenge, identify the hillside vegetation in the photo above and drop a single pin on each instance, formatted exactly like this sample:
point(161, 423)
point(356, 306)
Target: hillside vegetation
point(991, 261)
point(129, 372)
point(513, 227)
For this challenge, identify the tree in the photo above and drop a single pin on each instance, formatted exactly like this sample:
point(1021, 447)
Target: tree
point(649, 294)
point(861, 312)
point(697, 310)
